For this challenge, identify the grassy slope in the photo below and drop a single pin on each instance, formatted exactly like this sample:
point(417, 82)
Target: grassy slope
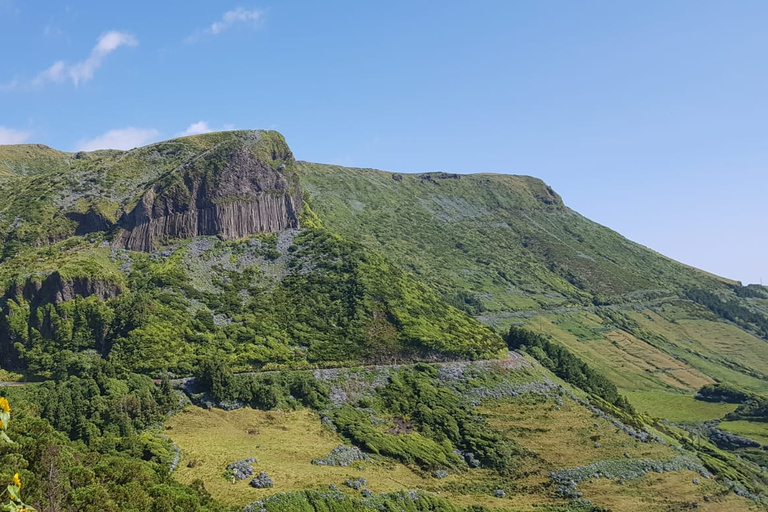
point(524, 258)
point(26, 159)
point(558, 437)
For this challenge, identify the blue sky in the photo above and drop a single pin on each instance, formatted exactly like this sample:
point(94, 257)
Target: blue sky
point(649, 117)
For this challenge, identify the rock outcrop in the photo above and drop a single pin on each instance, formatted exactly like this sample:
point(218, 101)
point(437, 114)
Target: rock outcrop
point(236, 189)
point(57, 289)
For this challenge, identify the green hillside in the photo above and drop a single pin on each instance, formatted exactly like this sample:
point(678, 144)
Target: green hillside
point(467, 341)
point(507, 250)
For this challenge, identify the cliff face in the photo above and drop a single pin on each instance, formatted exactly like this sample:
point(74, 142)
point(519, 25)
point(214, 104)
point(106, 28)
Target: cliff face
point(231, 191)
point(57, 289)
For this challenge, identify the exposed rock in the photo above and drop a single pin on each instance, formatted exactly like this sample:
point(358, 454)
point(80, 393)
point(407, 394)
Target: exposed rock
point(56, 289)
point(89, 222)
point(231, 191)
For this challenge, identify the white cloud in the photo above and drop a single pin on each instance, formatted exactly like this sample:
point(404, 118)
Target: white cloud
point(203, 127)
point(125, 138)
point(9, 136)
point(195, 129)
point(228, 20)
point(79, 72)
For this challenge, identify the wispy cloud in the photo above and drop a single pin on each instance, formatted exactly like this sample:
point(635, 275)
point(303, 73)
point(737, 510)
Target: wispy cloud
point(53, 31)
point(125, 138)
point(230, 19)
point(202, 127)
point(9, 136)
point(79, 72)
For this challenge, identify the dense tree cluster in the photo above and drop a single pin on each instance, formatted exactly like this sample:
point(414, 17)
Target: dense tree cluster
point(260, 390)
point(334, 302)
point(731, 310)
point(80, 443)
point(560, 361)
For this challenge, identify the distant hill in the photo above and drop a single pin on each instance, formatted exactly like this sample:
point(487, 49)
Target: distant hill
point(508, 250)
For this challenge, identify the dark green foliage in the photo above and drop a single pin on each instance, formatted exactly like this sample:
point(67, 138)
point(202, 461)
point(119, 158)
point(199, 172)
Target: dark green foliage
point(723, 392)
point(261, 390)
point(754, 408)
point(751, 291)
point(732, 310)
point(113, 472)
point(560, 361)
point(91, 399)
point(412, 448)
point(336, 501)
point(442, 415)
point(441, 422)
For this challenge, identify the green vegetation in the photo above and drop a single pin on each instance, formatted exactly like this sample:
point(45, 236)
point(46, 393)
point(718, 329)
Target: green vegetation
point(323, 299)
point(261, 391)
point(81, 443)
point(751, 407)
point(565, 365)
point(732, 310)
point(415, 274)
point(722, 392)
point(438, 420)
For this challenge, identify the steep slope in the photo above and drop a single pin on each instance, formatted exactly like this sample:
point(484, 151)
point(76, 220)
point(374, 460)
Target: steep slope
point(116, 253)
point(272, 282)
point(214, 184)
point(506, 249)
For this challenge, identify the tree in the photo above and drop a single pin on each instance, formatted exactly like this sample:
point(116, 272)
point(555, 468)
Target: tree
point(13, 491)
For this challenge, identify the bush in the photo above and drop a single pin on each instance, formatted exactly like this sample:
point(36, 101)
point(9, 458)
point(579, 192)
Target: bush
point(560, 361)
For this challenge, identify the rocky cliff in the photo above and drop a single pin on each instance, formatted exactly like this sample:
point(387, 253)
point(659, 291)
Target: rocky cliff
point(233, 190)
point(56, 289)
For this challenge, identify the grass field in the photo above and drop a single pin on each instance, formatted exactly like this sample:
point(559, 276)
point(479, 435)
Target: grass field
point(284, 447)
point(716, 348)
point(677, 408)
point(558, 437)
point(629, 362)
point(565, 438)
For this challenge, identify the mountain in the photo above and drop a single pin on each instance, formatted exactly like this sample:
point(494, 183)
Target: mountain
point(166, 223)
point(382, 307)
point(507, 250)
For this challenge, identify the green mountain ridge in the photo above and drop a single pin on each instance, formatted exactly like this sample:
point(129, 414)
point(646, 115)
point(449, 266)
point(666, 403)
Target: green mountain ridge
point(502, 248)
point(382, 306)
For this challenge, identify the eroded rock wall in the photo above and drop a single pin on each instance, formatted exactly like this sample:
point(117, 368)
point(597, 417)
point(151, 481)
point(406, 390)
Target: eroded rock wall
point(56, 289)
point(230, 193)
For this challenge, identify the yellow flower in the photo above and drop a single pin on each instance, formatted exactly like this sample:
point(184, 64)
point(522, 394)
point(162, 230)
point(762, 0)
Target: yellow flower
point(2, 425)
point(4, 405)
point(17, 480)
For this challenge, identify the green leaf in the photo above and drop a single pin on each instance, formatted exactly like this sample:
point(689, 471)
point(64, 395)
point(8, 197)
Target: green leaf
point(5, 437)
point(13, 492)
